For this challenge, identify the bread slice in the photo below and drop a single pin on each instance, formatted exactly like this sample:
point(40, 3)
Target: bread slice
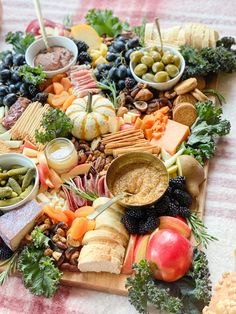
point(114, 225)
point(102, 235)
point(115, 207)
point(101, 248)
point(101, 257)
point(100, 263)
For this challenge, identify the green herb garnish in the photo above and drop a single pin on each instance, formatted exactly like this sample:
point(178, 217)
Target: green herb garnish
point(208, 126)
point(10, 268)
point(140, 31)
point(187, 295)
point(104, 22)
point(199, 230)
point(111, 87)
point(56, 124)
point(39, 273)
point(220, 97)
point(88, 195)
point(20, 41)
point(31, 75)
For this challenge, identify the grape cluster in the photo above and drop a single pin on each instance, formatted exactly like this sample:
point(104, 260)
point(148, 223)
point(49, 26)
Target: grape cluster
point(118, 56)
point(12, 84)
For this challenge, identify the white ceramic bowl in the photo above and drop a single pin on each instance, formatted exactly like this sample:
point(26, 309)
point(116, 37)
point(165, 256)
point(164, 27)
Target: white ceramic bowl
point(165, 85)
point(62, 41)
point(6, 161)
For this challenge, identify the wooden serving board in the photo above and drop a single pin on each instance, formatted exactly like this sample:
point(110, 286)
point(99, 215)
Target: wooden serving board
point(112, 283)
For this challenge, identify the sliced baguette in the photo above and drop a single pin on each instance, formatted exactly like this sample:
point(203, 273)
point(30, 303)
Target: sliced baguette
point(100, 263)
point(112, 224)
point(100, 248)
point(107, 214)
point(102, 200)
point(102, 235)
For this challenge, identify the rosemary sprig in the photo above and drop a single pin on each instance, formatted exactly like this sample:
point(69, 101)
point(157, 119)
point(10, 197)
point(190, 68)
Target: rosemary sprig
point(88, 195)
point(11, 263)
point(199, 230)
point(112, 88)
point(215, 93)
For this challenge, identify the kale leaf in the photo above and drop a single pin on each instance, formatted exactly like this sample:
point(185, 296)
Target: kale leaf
point(39, 273)
point(208, 126)
point(208, 60)
point(32, 75)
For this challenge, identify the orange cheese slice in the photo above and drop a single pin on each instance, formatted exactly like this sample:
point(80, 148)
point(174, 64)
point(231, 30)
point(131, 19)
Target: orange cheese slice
point(175, 133)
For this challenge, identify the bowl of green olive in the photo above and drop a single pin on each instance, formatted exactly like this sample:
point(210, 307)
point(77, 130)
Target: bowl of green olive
point(161, 69)
point(19, 181)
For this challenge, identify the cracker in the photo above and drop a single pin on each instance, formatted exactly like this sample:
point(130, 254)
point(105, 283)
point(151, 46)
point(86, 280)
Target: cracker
point(185, 113)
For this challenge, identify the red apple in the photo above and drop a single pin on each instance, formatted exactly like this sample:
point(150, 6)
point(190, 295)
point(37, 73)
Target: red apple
point(42, 178)
point(28, 144)
point(141, 248)
point(168, 222)
point(170, 254)
point(129, 256)
point(43, 163)
point(182, 219)
point(55, 178)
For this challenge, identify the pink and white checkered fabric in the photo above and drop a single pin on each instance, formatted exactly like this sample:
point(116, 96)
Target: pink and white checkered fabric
point(220, 212)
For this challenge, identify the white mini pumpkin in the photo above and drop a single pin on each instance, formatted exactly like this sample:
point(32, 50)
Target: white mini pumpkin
point(89, 116)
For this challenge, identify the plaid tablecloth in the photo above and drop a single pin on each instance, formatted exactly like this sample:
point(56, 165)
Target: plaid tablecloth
point(220, 212)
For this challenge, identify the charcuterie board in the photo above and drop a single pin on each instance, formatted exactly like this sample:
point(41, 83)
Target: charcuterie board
point(105, 148)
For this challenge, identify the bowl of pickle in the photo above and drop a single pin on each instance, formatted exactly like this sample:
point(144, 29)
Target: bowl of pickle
point(159, 68)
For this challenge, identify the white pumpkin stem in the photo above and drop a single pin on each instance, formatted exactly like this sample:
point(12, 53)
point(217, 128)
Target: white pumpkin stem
point(89, 103)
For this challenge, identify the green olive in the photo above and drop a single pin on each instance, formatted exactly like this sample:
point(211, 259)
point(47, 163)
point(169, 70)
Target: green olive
point(140, 69)
point(136, 56)
point(154, 48)
point(148, 77)
point(177, 61)
point(161, 77)
point(147, 60)
point(157, 66)
point(167, 58)
point(155, 55)
point(172, 70)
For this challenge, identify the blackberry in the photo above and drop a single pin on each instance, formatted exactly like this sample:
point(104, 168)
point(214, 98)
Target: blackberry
point(177, 183)
point(184, 212)
point(173, 210)
point(154, 212)
point(183, 198)
point(33, 90)
point(136, 212)
point(130, 83)
point(163, 204)
point(5, 251)
point(84, 57)
point(131, 224)
point(149, 225)
point(169, 191)
point(81, 46)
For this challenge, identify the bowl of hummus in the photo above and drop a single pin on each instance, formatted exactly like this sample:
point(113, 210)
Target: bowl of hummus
point(59, 58)
point(141, 175)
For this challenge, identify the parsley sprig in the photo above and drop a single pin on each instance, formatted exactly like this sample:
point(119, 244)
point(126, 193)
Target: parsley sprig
point(56, 124)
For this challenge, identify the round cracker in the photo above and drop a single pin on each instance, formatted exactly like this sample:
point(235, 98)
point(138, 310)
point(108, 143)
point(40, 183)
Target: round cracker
point(185, 113)
point(185, 98)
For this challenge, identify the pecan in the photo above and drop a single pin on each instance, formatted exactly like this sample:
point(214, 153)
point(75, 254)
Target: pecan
point(61, 245)
point(101, 147)
point(68, 267)
point(81, 157)
point(170, 94)
point(74, 258)
point(99, 164)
